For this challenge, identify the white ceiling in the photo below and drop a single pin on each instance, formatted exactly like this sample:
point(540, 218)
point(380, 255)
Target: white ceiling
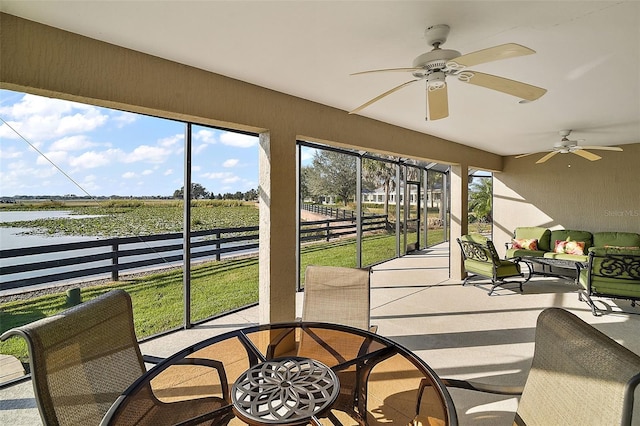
point(588, 57)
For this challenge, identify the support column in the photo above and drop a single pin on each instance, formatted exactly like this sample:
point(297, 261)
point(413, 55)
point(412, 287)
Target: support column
point(459, 217)
point(277, 256)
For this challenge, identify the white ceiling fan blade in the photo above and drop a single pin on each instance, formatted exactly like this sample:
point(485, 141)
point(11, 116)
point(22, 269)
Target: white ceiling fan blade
point(604, 148)
point(412, 69)
point(377, 98)
point(526, 155)
point(438, 103)
point(546, 157)
point(586, 154)
point(503, 51)
point(501, 84)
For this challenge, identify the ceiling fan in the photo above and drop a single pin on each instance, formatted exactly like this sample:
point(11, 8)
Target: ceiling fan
point(436, 65)
point(566, 146)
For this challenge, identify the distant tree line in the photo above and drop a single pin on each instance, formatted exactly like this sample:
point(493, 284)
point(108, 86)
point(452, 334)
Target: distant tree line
point(199, 192)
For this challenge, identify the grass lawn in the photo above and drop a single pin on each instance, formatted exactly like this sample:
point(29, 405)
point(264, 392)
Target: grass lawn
point(216, 287)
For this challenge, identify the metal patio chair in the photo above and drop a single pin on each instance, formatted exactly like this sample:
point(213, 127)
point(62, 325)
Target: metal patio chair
point(84, 358)
point(338, 295)
point(579, 376)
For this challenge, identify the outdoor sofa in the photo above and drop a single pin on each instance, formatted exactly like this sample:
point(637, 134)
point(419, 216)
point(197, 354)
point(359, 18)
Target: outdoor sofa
point(556, 244)
point(607, 263)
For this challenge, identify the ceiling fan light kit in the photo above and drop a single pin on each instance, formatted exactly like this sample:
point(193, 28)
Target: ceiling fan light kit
point(434, 66)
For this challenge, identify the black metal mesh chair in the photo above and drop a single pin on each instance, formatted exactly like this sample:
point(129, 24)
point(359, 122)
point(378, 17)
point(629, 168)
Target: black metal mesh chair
point(578, 376)
point(83, 359)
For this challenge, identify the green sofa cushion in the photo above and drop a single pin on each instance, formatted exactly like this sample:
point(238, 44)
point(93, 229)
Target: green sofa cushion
point(511, 253)
point(603, 251)
point(565, 256)
point(506, 268)
point(543, 236)
point(611, 286)
point(620, 239)
point(563, 234)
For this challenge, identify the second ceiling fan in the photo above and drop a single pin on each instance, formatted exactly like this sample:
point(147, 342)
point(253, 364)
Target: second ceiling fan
point(567, 146)
point(436, 65)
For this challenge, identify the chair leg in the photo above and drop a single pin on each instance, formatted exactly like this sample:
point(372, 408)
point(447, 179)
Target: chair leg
point(583, 296)
point(493, 287)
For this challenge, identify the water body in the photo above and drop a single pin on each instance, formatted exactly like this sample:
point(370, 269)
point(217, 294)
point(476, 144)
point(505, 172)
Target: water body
point(11, 237)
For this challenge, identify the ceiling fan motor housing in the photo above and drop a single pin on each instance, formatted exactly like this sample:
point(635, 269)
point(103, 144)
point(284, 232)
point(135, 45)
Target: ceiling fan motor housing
point(434, 60)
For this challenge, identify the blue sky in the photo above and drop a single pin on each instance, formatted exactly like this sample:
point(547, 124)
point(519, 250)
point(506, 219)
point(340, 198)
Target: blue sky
point(108, 152)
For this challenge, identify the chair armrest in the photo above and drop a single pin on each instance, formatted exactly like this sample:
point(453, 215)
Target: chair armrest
point(580, 266)
point(150, 359)
point(482, 387)
point(462, 384)
point(271, 349)
point(215, 364)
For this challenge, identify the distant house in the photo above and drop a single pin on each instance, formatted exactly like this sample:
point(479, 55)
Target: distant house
point(377, 196)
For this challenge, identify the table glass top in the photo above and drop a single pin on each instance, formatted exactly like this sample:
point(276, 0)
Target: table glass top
point(378, 379)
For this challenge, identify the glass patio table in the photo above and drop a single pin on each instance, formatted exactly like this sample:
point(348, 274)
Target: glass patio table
point(287, 374)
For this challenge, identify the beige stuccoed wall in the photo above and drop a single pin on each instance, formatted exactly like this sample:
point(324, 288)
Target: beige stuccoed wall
point(47, 61)
point(568, 192)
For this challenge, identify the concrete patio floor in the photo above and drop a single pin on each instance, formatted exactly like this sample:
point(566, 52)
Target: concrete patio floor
point(459, 331)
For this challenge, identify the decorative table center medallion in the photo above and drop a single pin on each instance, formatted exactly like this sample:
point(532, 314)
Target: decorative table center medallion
point(284, 391)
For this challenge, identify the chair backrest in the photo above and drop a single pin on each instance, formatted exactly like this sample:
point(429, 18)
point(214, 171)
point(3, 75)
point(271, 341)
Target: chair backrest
point(337, 295)
point(579, 375)
point(82, 359)
point(478, 247)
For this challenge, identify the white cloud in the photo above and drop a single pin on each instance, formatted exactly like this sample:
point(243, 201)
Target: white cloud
point(72, 143)
point(217, 175)
point(199, 149)
point(147, 172)
point(19, 176)
point(9, 153)
point(205, 136)
point(149, 154)
point(90, 184)
point(124, 118)
point(170, 141)
point(231, 162)
point(238, 140)
point(79, 123)
point(92, 159)
point(168, 172)
point(196, 168)
point(38, 118)
point(129, 175)
point(55, 157)
point(224, 177)
point(231, 179)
